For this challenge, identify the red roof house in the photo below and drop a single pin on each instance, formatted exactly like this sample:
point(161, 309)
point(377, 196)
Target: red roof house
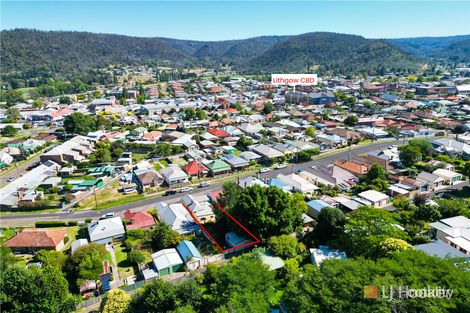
point(31, 240)
point(193, 168)
point(139, 220)
point(218, 132)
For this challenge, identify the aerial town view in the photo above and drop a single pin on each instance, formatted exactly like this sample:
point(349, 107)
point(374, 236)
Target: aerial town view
point(235, 156)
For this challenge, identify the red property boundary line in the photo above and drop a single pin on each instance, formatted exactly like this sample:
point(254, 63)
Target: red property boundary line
point(255, 239)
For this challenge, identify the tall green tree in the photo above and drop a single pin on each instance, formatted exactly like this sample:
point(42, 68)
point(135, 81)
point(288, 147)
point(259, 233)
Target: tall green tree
point(330, 224)
point(116, 301)
point(243, 285)
point(79, 123)
point(35, 290)
point(410, 155)
point(164, 237)
point(366, 228)
point(267, 211)
point(338, 285)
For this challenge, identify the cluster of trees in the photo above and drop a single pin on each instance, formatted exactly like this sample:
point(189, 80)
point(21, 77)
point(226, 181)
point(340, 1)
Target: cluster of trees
point(192, 114)
point(415, 151)
point(269, 211)
point(57, 87)
point(376, 179)
point(306, 155)
point(165, 149)
point(347, 100)
point(81, 124)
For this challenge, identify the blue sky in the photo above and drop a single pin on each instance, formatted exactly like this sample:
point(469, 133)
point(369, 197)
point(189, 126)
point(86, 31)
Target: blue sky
point(219, 20)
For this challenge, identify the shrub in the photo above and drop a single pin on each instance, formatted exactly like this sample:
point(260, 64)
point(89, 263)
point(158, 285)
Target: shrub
point(43, 224)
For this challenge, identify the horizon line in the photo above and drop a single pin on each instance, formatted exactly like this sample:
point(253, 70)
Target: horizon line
point(221, 40)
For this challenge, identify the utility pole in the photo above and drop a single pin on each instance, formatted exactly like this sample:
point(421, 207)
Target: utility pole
point(96, 201)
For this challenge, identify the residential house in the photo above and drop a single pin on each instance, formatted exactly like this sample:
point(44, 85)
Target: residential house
point(330, 141)
point(101, 171)
point(315, 207)
point(298, 183)
point(352, 167)
point(139, 220)
point(266, 152)
point(189, 254)
point(106, 230)
point(173, 175)
point(440, 249)
point(73, 150)
point(26, 184)
point(451, 147)
point(167, 261)
point(235, 162)
point(375, 198)
point(195, 168)
point(149, 179)
point(217, 167)
point(177, 217)
point(450, 177)
point(250, 181)
point(454, 231)
point(435, 182)
point(199, 207)
point(5, 158)
point(31, 240)
point(250, 156)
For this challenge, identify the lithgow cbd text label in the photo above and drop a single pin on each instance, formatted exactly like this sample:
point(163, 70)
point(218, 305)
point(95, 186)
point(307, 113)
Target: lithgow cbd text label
point(294, 79)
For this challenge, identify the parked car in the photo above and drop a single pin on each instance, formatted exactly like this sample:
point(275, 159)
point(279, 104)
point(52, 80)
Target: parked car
point(35, 164)
point(108, 215)
point(314, 167)
point(203, 184)
point(11, 179)
point(170, 192)
point(264, 170)
point(281, 165)
point(186, 189)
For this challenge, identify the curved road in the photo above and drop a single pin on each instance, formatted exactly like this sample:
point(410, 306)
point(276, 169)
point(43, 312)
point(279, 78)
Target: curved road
point(29, 219)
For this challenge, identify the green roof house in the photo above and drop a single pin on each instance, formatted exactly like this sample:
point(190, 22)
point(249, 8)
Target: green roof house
point(101, 171)
point(217, 167)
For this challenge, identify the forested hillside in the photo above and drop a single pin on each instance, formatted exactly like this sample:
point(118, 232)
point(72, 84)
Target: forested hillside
point(34, 56)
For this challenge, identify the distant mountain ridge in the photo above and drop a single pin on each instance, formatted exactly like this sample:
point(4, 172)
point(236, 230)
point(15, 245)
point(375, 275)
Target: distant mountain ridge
point(455, 48)
point(26, 52)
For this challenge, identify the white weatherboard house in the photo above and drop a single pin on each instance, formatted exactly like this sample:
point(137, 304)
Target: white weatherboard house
point(106, 230)
point(450, 177)
point(177, 217)
point(454, 231)
point(375, 198)
point(174, 175)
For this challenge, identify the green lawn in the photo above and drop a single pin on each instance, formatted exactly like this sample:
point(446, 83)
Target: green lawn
point(125, 268)
point(164, 163)
point(157, 166)
point(124, 200)
point(137, 157)
point(7, 233)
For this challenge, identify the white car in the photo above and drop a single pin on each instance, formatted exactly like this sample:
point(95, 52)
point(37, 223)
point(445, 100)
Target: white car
point(314, 167)
point(186, 189)
point(264, 170)
point(281, 165)
point(108, 215)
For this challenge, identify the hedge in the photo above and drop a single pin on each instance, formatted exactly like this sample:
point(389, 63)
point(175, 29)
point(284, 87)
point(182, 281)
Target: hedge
point(50, 224)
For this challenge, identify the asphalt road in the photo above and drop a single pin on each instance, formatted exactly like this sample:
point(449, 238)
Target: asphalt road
point(28, 219)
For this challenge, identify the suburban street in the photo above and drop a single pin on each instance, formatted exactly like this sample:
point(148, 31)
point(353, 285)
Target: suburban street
point(29, 219)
